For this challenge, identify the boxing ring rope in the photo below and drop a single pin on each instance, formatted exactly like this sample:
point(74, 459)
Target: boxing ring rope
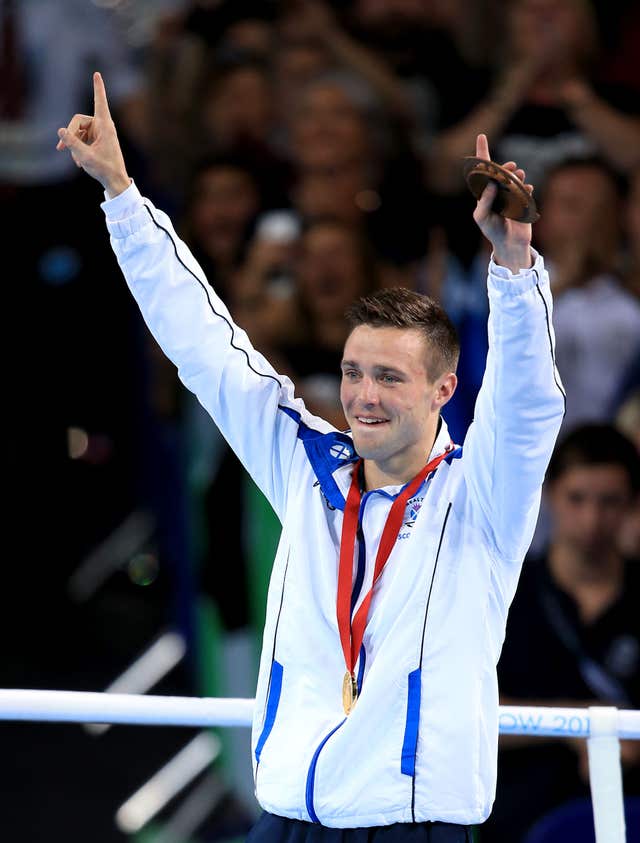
point(602, 727)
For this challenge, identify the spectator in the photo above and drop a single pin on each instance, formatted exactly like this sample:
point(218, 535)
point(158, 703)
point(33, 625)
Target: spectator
point(321, 42)
point(546, 103)
point(224, 199)
point(302, 326)
point(236, 105)
point(222, 204)
point(428, 44)
point(221, 103)
point(335, 267)
point(345, 195)
point(338, 123)
point(245, 26)
point(597, 322)
point(340, 129)
point(573, 635)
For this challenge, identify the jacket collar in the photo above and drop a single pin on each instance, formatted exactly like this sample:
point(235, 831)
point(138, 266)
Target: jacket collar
point(343, 475)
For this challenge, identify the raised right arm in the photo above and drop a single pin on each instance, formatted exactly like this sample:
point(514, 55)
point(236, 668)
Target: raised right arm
point(246, 397)
point(252, 405)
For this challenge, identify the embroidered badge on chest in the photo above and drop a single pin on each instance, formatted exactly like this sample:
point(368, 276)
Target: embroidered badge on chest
point(341, 451)
point(411, 512)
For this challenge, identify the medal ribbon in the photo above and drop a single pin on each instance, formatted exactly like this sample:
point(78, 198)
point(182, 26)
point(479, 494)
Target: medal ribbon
point(352, 631)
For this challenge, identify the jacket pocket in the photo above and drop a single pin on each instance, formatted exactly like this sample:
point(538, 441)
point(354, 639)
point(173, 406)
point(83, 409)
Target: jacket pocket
point(410, 743)
point(273, 700)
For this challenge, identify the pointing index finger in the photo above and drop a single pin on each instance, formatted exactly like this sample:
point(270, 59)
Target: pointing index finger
point(100, 104)
point(482, 148)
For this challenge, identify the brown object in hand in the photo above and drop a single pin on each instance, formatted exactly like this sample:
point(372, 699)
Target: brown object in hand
point(512, 200)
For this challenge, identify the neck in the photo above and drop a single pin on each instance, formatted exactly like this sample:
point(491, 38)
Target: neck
point(397, 470)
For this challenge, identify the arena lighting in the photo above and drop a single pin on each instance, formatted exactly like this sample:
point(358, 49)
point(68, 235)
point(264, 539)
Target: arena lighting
point(192, 759)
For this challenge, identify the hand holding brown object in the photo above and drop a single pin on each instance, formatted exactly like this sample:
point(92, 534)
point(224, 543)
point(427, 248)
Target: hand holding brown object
point(512, 201)
point(510, 238)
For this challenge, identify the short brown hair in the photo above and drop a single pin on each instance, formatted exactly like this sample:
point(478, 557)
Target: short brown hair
point(397, 307)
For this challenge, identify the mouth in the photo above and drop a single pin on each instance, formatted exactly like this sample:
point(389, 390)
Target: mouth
point(370, 421)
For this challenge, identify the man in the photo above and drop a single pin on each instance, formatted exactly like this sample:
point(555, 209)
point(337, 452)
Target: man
point(377, 703)
point(573, 637)
point(596, 320)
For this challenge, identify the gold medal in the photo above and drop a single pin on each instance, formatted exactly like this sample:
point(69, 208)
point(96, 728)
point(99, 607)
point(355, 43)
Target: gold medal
point(351, 627)
point(349, 692)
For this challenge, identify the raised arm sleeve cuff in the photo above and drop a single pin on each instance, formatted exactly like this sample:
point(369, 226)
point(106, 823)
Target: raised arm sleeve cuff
point(508, 283)
point(125, 214)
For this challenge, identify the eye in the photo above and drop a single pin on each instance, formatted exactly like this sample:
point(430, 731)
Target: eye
point(612, 501)
point(350, 374)
point(389, 379)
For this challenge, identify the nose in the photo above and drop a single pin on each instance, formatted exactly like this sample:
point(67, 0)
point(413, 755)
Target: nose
point(368, 391)
point(593, 520)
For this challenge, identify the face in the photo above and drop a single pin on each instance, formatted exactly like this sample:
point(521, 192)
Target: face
point(566, 22)
point(240, 106)
point(330, 274)
point(588, 506)
point(327, 129)
point(251, 35)
point(388, 400)
point(333, 192)
point(580, 204)
point(296, 65)
point(226, 200)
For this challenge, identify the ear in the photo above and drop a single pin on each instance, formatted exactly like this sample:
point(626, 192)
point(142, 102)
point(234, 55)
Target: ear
point(444, 388)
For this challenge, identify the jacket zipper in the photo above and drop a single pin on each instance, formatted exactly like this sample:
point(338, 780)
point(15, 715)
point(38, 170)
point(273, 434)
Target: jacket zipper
point(312, 772)
point(357, 587)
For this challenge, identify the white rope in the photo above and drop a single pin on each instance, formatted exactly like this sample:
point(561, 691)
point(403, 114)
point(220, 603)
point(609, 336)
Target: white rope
point(135, 709)
point(87, 707)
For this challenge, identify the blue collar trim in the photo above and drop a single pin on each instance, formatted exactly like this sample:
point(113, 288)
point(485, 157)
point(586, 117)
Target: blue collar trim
point(326, 452)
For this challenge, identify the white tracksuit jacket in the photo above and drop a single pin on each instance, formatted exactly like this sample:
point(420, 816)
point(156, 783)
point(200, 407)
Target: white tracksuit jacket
point(421, 743)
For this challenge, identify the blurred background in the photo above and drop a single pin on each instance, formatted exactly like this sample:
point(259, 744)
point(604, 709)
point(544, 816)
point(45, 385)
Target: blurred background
point(308, 152)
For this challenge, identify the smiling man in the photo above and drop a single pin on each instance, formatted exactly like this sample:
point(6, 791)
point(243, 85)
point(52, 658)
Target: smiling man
point(398, 371)
point(376, 715)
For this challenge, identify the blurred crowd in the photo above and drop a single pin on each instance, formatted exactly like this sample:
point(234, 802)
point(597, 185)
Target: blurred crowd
point(309, 152)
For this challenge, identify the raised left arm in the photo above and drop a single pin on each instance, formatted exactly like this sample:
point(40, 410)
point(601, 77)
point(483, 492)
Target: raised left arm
point(520, 405)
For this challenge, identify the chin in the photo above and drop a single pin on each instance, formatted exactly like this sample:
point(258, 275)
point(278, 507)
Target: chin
point(367, 450)
point(595, 551)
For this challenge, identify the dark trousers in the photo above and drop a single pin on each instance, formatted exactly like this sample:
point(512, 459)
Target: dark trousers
point(273, 829)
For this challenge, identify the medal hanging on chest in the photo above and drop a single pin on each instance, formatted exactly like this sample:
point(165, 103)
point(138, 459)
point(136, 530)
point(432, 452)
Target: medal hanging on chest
point(349, 692)
point(352, 629)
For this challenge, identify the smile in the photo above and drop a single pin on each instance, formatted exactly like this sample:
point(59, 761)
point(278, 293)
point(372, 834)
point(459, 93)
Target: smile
point(366, 420)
